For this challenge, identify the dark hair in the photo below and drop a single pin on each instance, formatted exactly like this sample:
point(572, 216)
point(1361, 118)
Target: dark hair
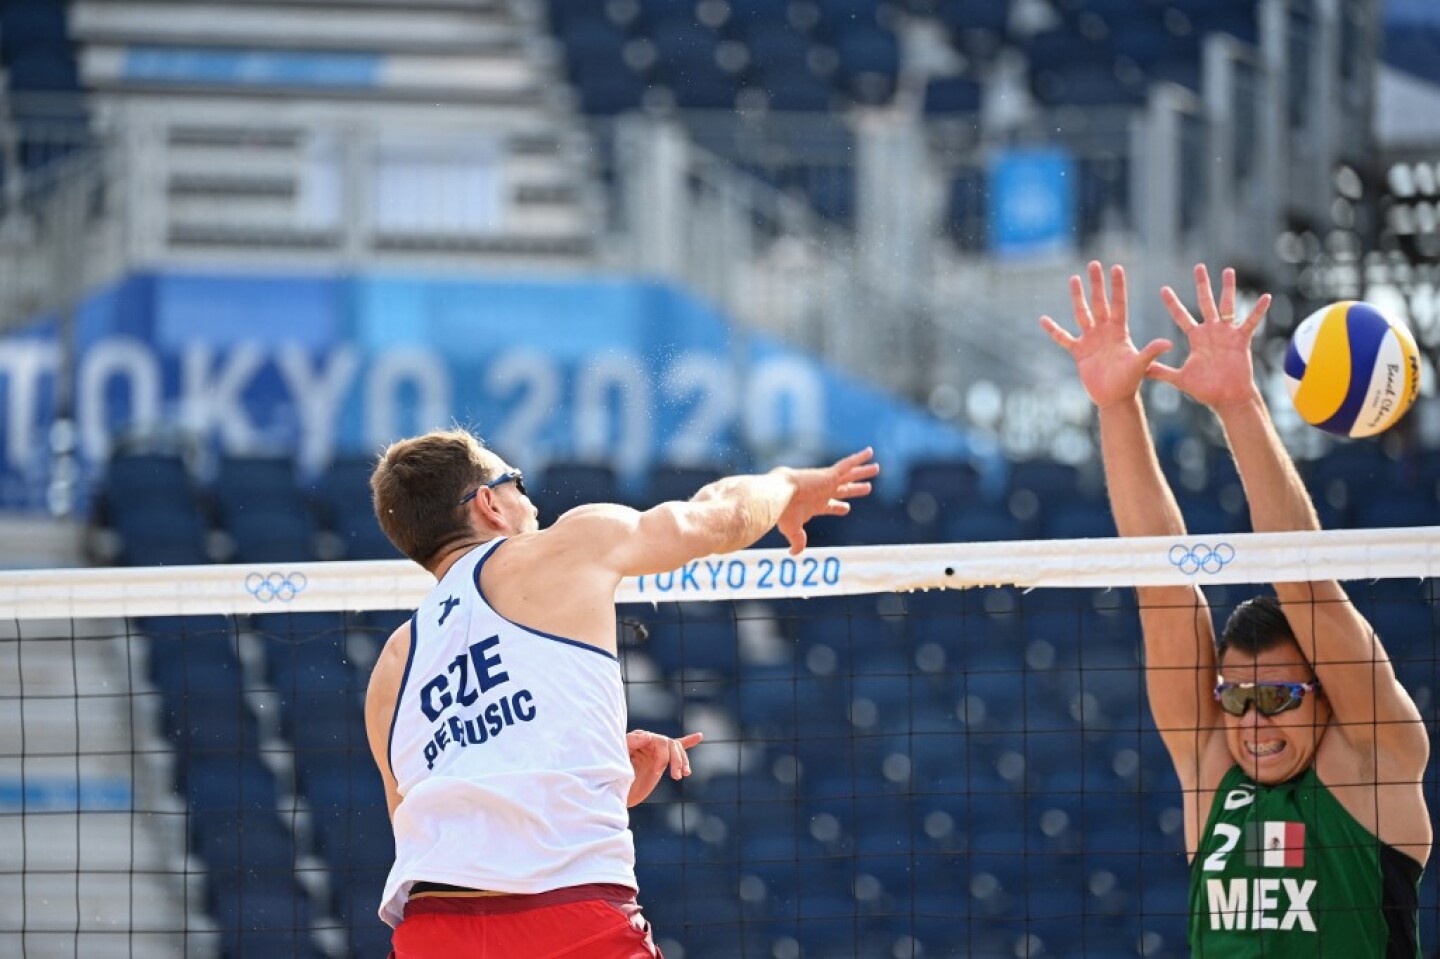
point(416, 489)
point(1256, 625)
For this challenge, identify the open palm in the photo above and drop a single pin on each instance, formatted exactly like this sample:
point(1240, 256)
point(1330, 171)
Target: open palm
point(1219, 371)
point(1110, 367)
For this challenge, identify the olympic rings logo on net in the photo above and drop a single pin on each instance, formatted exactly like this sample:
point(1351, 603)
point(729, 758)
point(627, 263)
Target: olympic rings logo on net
point(276, 587)
point(1201, 558)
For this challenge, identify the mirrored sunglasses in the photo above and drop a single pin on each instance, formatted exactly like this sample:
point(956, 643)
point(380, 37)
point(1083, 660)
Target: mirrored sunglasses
point(1268, 698)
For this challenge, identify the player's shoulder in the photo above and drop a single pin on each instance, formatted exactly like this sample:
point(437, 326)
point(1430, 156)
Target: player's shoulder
point(398, 644)
point(390, 664)
point(593, 523)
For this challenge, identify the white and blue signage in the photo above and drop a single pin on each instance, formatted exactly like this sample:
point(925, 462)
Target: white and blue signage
point(627, 372)
point(1032, 201)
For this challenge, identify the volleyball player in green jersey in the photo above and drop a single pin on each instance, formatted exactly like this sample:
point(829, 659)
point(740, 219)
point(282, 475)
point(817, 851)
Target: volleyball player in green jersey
point(1299, 753)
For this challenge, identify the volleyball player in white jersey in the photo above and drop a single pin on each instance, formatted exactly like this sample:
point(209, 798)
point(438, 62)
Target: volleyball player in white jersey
point(497, 714)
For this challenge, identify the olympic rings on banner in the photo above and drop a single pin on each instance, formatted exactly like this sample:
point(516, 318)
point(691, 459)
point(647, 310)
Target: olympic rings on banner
point(1201, 558)
point(281, 587)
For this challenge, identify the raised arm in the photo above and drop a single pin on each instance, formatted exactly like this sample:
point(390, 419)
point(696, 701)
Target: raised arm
point(729, 514)
point(1372, 710)
point(1179, 636)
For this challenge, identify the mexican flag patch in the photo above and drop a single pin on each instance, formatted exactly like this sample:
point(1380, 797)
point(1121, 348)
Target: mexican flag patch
point(1275, 844)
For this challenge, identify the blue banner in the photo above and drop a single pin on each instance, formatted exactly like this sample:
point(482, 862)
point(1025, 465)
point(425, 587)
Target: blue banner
point(621, 371)
point(1032, 202)
point(290, 68)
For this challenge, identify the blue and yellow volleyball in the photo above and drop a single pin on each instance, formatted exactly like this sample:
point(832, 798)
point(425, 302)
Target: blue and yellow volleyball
point(1352, 370)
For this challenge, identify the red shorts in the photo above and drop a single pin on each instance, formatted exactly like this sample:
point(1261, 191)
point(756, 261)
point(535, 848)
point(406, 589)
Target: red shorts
point(578, 922)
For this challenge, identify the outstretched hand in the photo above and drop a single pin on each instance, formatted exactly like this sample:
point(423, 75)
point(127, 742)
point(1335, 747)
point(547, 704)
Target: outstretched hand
point(1218, 372)
point(823, 491)
point(1110, 367)
point(650, 755)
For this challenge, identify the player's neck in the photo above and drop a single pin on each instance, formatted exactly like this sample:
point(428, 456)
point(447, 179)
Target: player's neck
point(452, 555)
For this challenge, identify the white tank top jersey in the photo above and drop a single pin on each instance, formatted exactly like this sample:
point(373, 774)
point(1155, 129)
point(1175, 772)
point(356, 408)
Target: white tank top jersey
point(508, 749)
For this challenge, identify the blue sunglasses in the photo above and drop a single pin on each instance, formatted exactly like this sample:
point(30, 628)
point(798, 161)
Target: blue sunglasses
point(510, 476)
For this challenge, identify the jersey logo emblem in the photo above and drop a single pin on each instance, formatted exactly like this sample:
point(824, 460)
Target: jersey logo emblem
point(1275, 844)
point(450, 603)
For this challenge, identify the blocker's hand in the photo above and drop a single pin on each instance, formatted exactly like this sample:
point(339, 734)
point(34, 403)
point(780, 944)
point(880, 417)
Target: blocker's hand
point(1111, 368)
point(1218, 372)
point(651, 754)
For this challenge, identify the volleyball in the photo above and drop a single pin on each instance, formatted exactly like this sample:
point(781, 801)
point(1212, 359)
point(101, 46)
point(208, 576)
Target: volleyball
point(1352, 370)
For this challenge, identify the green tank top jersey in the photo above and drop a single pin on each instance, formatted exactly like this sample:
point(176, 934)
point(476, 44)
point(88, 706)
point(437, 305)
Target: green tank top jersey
point(1284, 872)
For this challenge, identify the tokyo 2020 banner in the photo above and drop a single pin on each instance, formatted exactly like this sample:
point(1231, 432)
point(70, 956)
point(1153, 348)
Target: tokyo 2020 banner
point(627, 372)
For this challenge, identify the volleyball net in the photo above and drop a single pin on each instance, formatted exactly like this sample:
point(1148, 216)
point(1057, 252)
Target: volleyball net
point(911, 751)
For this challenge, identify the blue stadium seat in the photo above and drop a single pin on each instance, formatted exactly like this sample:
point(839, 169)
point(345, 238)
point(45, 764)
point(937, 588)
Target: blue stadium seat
point(207, 721)
point(608, 89)
point(702, 85)
point(869, 63)
point(759, 11)
point(322, 723)
point(775, 46)
point(346, 484)
point(965, 16)
point(343, 495)
point(666, 483)
point(284, 533)
point(795, 88)
point(1144, 39)
point(869, 524)
point(342, 777)
point(696, 639)
point(655, 11)
point(1113, 12)
point(979, 524)
point(1103, 193)
point(1045, 478)
point(694, 894)
point(361, 536)
point(1235, 17)
point(830, 190)
point(1060, 48)
point(1204, 514)
point(368, 935)
point(947, 96)
point(161, 534)
point(229, 783)
point(681, 43)
point(593, 39)
point(1159, 53)
point(192, 654)
point(263, 918)
point(203, 664)
point(967, 219)
point(781, 700)
point(134, 478)
point(1395, 507)
point(249, 482)
point(42, 71)
point(306, 651)
point(358, 847)
point(1086, 84)
point(1077, 518)
point(234, 842)
point(839, 15)
point(565, 485)
point(564, 12)
point(33, 25)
